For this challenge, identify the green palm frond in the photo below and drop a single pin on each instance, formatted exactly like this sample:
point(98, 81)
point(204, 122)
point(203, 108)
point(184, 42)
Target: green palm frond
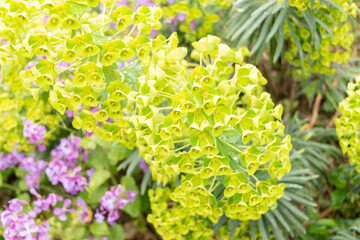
point(260, 24)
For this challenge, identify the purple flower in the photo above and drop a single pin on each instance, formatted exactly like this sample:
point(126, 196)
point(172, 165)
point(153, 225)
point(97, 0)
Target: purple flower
point(112, 201)
point(63, 64)
point(22, 225)
point(131, 195)
point(61, 212)
point(4, 41)
point(192, 24)
point(31, 64)
point(15, 205)
point(88, 134)
point(10, 160)
point(121, 65)
point(121, 3)
point(90, 172)
point(148, 3)
point(144, 166)
point(34, 132)
point(112, 25)
point(83, 211)
point(41, 204)
point(52, 199)
point(63, 165)
point(69, 113)
point(46, 18)
point(99, 217)
point(29, 230)
point(181, 17)
point(34, 169)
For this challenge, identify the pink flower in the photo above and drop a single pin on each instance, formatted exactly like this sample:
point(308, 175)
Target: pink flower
point(34, 132)
point(61, 212)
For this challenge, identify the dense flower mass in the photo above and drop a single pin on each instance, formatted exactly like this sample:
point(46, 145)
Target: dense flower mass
point(63, 165)
point(20, 224)
point(349, 121)
point(113, 201)
point(35, 133)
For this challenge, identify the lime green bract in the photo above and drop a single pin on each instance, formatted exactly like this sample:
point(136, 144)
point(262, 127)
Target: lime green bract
point(348, 124)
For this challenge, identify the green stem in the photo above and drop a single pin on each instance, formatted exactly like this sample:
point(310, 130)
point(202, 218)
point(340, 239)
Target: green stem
point(233, 147)
point(212, 184)
point(8, 186)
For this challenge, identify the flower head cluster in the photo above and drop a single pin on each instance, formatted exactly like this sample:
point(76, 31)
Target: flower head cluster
point(349, 122)
point(183, 17)
point(172, 221)
point(63, 166)
point(10, 160)
point(19, 224)
point(34, 169)
point(35, 133)
point(43, 204)
point(335, 34)
point(113, 201)
point(210, 135)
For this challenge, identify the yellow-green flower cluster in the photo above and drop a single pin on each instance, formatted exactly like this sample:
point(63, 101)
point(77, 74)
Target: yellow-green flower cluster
point(206, 137)
point(15, 102)
point(77, 38)
point(301, 5)
point(333, 47)
point(173, 221)
point(348, 124)
point(187, 14)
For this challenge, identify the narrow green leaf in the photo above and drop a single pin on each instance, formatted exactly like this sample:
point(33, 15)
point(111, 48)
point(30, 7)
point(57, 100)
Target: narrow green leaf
point(253, 230)
point(280, 43)
point(254, 25)
point(233, 225)
point(274, 226)
point(263, 8)
point(145, 182)
point(325, 27)
point(278, 22)
point(332, 3)
point(260, 39)
point(264, 232)
point(301, 200)
point(283, 222)
point(134, 162)
point(297, 42)
point(222, 220)
point(294, 209)
point(294, 221)
point(310, 20)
